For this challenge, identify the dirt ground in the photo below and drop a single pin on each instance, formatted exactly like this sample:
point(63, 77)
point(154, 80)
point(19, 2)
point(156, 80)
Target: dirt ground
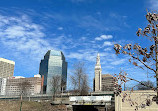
point(6, 105)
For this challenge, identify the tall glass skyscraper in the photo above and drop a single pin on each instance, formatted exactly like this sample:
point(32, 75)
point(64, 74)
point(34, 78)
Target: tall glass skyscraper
point(53, 64)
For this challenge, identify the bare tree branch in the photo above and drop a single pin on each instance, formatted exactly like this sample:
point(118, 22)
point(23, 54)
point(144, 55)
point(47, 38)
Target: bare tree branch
point(79, 79)
point(56, 85)
point(143, 63)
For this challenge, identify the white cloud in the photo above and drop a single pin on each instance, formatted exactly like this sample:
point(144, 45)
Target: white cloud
point(108, 49)
point(153, 4)
point(76, 55)
point(104, 37)
point(86, 54)
point(91, 22)
point(63, 42)
point(60, 28)
point(23, 36)
point(83, 38)
point(107, 43)
point(118, 61)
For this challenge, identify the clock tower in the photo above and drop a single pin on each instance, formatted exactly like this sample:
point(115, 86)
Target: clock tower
point(98, 70)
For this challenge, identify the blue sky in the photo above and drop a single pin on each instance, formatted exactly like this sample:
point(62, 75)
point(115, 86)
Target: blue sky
point(79, 28)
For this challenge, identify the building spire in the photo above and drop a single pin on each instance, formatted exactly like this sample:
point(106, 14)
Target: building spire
point(98, 61)
point(98, 74)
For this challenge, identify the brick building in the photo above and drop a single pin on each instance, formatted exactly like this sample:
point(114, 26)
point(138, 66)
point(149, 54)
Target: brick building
point(20, 85)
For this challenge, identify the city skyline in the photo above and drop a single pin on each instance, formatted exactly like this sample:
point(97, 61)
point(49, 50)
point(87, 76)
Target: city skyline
point(79, 28)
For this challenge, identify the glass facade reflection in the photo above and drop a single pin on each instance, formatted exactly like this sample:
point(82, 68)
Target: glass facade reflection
point(53, 64)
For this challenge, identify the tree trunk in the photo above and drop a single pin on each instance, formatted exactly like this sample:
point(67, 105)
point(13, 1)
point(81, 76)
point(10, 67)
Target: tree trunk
point(21, 97)
point(156, 51)
point(21, 106)
point(53, 97)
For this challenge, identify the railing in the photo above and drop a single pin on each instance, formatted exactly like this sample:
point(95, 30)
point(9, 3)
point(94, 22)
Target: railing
point(49, 96)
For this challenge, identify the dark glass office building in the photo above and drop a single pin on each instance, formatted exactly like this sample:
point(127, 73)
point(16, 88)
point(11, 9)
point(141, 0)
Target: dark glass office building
point(53, 64)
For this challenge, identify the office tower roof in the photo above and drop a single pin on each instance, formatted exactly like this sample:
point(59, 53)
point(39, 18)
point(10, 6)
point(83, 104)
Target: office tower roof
point(8, 61)
point(6, 68)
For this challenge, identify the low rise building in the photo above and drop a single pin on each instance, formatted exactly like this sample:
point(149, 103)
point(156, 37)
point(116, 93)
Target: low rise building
point(108, 82)
point(20, 85)
point(3, 82)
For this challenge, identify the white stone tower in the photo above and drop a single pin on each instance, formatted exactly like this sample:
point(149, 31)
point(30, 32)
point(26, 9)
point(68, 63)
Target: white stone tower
point(98, 74)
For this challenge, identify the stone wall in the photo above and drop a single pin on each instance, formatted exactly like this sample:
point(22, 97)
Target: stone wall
point(134, 100)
